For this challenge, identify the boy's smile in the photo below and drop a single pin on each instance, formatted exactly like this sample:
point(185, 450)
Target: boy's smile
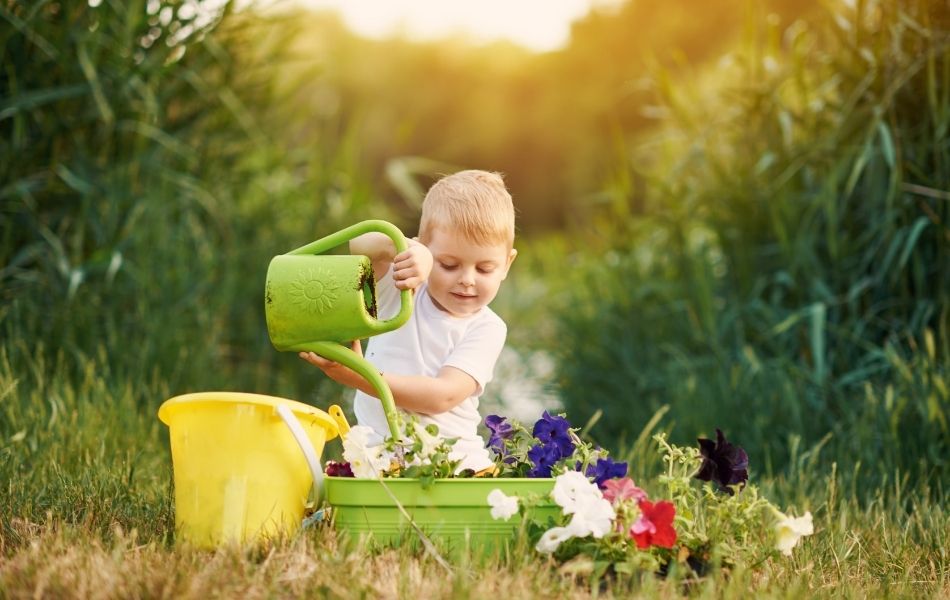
point(465, 276)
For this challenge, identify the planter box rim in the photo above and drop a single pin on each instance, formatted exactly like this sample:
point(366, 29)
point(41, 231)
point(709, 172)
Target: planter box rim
point(453, 480)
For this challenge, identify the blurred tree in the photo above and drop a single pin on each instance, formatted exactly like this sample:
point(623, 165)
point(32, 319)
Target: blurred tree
point(551, 122)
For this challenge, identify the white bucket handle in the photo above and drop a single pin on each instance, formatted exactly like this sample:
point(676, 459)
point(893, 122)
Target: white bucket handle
point(296, 429)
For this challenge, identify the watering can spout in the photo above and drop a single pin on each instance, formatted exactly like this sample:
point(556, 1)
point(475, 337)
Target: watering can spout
point(316, 302)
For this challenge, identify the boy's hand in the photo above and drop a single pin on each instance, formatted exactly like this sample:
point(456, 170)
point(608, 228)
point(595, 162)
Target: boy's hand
point(412, 267)
point(335, 370)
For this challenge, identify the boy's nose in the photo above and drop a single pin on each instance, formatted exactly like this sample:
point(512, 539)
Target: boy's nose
point(467, 278)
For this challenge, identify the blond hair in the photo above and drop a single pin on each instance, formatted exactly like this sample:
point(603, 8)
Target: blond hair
point(474, 203)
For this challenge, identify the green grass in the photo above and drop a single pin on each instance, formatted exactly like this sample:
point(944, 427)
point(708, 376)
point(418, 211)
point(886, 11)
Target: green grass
point(87, 512)
point(773, 259)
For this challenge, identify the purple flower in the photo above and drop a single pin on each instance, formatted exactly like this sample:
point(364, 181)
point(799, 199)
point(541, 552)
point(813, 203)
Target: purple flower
point(500, 430)
point(723, 463)
point(338, 469)
point(554, 430)
point(543, 456)
point(605, 469)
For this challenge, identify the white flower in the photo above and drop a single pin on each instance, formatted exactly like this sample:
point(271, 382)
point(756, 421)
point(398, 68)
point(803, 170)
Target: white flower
point(367, 461)
point(592, 516)
point(502, 506)
point(789, 530)
point(552, 538)
point(429, 442)
point(571, 488)
point(592, 513)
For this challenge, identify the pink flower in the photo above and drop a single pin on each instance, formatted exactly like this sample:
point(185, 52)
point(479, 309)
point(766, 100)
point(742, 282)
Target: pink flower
point(655, 525)
point(618, 490)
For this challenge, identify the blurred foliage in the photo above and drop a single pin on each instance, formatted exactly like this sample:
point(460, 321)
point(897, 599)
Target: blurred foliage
point(146, 181)
point(551, 122)
point(745, 220)
point(775, 261)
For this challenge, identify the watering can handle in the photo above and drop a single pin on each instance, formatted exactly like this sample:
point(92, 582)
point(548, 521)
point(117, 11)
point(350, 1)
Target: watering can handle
point(344, 235)
point(296, 429)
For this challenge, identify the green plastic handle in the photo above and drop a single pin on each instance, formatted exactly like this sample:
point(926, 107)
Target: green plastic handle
point(346, 357)
point(344, 235)
point(340, 353)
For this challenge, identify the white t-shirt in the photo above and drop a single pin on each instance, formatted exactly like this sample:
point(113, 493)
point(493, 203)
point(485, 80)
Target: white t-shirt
point(432, 339)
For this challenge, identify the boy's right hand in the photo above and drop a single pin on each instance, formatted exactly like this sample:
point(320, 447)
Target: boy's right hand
point(412, 266)
point(336, 371)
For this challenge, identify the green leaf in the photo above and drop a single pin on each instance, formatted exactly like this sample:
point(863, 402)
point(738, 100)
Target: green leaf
point(27, 100)
point(817, 338)
point(92, 76)
point(858, 168)
point(919, 225)
point(74, 181)
point(887, 143)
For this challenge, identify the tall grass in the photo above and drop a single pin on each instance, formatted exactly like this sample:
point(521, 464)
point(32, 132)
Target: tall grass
point(146, 178)
point(89, 515)
point(784, 275)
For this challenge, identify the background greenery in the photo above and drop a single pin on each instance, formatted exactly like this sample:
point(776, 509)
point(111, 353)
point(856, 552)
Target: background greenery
point(737, 220)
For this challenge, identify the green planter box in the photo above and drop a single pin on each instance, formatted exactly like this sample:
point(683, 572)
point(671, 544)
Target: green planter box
point(454, 513)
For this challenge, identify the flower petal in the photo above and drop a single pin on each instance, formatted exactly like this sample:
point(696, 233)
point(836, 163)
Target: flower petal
point(552, 538)
point(502, 505)
point(789, 530)
point(664, 537)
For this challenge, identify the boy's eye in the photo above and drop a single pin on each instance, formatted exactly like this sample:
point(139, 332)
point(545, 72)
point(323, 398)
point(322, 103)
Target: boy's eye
point(485, 269)
point(448, 267)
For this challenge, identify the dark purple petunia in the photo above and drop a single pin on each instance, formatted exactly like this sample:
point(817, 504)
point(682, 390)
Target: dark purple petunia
point(554, 430)
point(605, 469)
point(500, 429)
point(543, 456)
point(338, 469)
point(723, 463)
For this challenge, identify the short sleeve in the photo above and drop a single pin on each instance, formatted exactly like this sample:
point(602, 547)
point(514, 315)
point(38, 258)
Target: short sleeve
point(478, 350)
point(387, 296)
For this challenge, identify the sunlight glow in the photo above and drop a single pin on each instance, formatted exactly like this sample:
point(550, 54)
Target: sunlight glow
point(539, 25)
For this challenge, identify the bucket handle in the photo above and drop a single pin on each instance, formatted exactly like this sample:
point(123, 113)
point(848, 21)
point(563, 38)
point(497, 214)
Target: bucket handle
point(296, 430)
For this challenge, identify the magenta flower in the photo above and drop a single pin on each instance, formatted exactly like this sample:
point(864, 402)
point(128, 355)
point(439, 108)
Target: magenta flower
point(618, 490)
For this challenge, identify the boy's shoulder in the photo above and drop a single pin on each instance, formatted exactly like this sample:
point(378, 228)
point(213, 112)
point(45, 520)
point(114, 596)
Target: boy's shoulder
point(490, 318)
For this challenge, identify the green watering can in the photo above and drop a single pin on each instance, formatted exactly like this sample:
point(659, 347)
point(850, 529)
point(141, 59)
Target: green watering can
point(320, 303)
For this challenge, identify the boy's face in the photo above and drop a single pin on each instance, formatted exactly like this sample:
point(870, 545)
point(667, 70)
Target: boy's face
point(465, 276)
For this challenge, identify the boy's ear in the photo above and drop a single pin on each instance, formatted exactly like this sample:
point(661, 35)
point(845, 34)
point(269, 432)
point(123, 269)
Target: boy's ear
point(512, 255)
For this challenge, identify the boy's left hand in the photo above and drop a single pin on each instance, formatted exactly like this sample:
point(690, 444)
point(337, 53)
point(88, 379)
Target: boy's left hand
point(412, 266)
point(335, 370)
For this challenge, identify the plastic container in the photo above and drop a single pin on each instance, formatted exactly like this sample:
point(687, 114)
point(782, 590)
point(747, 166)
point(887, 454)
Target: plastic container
point(242, 474)
point(453, 512)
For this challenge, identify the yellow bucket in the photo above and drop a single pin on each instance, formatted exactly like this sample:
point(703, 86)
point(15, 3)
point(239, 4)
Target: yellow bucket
point(244, 464)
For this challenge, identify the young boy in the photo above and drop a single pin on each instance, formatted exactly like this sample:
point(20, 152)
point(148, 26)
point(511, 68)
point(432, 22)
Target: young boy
point(438, 363)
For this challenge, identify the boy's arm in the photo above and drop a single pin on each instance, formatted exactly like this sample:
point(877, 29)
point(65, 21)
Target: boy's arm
point(418, 393)
point(410, 268)
point(378, 247)
point(429, 395)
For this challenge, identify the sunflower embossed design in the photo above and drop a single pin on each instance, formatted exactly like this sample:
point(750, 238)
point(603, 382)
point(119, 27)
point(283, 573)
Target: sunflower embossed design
point(315, 290)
